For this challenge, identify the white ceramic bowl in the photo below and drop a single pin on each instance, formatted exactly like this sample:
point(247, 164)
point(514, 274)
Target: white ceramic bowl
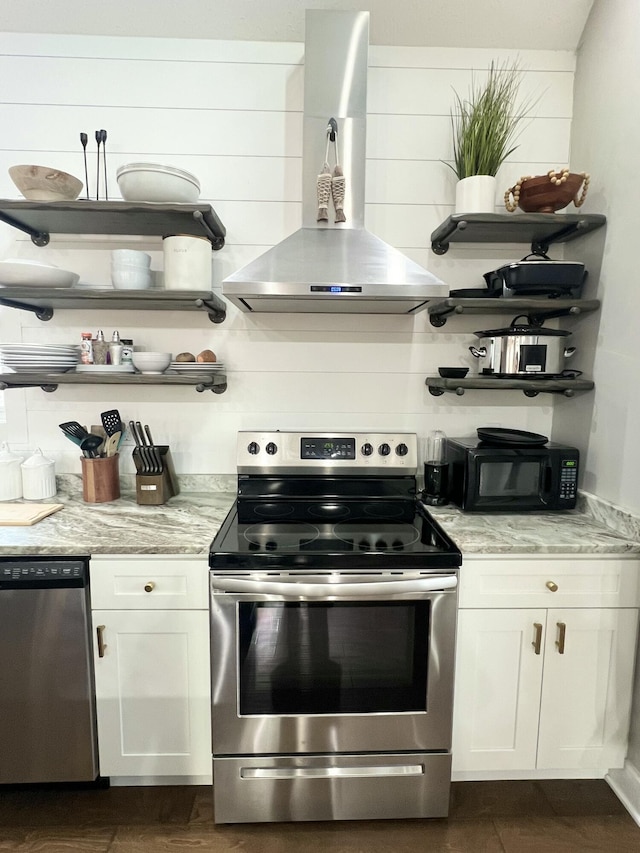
point(153, 182)
point(15, 271)
point(151, 362)
point(41, 183)
point(131, 278)
point(130, 257)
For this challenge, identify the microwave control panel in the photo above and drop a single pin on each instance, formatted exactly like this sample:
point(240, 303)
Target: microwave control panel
point(568, 479)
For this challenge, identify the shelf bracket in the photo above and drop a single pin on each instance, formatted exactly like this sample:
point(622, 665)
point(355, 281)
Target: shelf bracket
point(39, 238)
point(216, 314)
point(42, 313)
point(218, 388)
point(542, 246)
point(439, 318)
point(441, 247)
point(216, 238)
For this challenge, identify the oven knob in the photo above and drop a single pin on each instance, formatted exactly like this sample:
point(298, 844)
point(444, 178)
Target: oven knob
point(402, 450)
point(271, 448)
point(384, 449)
point(253, 448)
point(367, 449)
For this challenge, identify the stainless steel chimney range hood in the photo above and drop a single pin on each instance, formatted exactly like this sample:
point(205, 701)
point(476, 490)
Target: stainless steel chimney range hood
point(329, 267)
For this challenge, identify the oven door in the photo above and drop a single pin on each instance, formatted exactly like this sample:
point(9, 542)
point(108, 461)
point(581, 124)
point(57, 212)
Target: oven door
point(339, 662)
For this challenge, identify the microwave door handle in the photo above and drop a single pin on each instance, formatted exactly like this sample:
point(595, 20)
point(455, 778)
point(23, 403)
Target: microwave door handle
point(295, 588)
point(547, 479)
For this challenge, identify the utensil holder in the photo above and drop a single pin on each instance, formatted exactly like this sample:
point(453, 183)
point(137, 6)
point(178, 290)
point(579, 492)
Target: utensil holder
point(155, 489)
point(100, 479)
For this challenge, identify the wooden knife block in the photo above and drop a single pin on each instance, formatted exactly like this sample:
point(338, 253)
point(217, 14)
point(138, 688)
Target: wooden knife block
point(156, 489)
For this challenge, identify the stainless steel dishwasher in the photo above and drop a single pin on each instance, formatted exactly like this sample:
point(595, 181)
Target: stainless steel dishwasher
point(47, 696)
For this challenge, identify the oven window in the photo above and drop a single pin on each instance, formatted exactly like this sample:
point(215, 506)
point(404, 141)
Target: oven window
point(333, 657)
point(509, 479)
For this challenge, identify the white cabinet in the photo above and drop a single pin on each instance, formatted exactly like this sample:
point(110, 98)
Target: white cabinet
point(151, 650)
point(540, 689)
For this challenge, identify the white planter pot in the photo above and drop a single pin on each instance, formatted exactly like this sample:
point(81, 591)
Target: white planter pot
point(476, 194)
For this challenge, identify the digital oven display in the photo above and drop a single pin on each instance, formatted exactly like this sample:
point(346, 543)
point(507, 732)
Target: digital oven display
point(327, 448)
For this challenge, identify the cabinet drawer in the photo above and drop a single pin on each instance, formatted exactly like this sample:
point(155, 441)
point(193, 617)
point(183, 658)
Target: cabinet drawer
point(152, 583)
point(548, 580)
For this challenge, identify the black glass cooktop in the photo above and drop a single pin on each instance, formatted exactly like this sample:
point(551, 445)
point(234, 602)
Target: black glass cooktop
point(322, 544)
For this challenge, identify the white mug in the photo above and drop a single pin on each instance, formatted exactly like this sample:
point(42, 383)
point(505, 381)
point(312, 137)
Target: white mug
point(187, 263)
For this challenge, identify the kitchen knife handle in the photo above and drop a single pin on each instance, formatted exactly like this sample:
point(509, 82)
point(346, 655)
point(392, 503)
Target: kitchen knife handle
point(101, 643)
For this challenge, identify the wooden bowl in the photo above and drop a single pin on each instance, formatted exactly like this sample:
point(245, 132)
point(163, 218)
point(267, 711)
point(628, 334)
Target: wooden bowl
point(539, 195)
point(40, 183)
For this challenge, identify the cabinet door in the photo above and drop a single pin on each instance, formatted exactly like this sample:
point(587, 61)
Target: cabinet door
point(587, 688)
point(153, 693)
point(497, 689)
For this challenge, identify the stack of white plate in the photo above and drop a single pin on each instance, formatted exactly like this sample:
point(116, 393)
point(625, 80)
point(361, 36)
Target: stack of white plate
point(196, 367)
point(36, 358)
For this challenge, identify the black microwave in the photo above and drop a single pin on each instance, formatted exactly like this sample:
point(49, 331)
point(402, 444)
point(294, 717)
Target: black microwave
point(490, 478)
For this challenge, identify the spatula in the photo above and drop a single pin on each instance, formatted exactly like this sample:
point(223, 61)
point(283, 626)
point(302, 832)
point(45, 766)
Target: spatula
point(112, 424)
point(74, 430)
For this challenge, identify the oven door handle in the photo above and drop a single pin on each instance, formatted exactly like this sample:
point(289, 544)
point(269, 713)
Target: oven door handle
point(295, 589)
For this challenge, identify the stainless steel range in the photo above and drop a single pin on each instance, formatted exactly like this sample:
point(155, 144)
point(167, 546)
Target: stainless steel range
point(333, 611)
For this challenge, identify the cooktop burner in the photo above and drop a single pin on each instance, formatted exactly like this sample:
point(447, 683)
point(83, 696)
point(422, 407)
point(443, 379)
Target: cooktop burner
point(383, 536)
point(273, 537)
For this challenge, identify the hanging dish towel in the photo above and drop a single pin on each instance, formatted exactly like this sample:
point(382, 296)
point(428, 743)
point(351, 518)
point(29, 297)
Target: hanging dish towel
point(331, 185)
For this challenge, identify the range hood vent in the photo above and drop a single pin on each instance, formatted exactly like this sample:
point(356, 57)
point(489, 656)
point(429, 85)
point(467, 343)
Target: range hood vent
point(329, 267)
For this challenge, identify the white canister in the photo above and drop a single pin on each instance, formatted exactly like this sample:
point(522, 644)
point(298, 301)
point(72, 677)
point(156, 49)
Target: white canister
point(38, 477)
point(10, 474)
point(187, 263)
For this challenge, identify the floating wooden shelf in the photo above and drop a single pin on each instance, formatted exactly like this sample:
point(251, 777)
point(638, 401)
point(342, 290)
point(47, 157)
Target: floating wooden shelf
point(40, 219)
point(216, 382)
point(539, 309)
point(538, 229)
point(42, 300)
point(531, 387)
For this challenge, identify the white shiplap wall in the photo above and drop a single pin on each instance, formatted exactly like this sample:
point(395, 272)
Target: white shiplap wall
point(231, 112)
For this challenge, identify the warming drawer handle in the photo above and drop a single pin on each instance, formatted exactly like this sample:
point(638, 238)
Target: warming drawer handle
point(101, 643)
point(297, 589)
point(331, 772)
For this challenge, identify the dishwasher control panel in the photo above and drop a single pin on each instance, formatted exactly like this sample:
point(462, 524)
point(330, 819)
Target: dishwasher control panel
point(42, 571)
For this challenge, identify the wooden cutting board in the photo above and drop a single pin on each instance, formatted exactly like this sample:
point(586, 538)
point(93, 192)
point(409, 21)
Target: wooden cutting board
point(23, 515)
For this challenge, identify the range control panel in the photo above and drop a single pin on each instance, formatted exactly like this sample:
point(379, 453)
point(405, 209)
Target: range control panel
point(299, 452)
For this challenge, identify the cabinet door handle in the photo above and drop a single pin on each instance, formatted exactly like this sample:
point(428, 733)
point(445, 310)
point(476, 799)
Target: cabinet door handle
point(101, 643)
point(552, 585)
point(149, 586)
point(537, 641)
point(562, 629)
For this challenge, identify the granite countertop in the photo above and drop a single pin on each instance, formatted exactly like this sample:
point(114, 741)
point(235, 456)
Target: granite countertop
point(184, 525)
point(189, 521)
point(573, 532)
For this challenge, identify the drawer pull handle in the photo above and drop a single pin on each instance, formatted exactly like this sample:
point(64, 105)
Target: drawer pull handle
point(149, 586)
point(552, 586)
point(101, 643)
point(537, 642)
point(562, 630)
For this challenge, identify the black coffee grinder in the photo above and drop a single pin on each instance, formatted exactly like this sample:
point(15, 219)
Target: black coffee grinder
point(436, 470)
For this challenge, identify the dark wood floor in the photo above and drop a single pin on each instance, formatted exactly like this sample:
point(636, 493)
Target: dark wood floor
point(486, 817)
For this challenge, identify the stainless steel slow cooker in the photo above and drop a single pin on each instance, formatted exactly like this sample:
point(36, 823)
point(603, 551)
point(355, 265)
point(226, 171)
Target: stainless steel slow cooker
point(522, 350)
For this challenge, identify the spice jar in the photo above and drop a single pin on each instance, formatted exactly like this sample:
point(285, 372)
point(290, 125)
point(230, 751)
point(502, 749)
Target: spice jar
point(38, 477)
point(10, 474)
point(100, 348)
